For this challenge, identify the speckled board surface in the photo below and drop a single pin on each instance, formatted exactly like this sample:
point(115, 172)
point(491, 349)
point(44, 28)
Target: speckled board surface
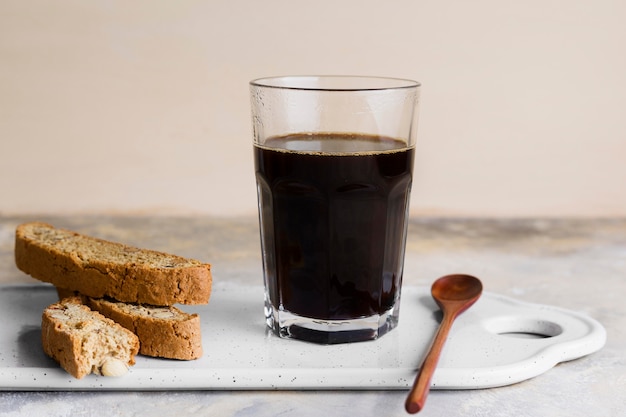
point(484, 350)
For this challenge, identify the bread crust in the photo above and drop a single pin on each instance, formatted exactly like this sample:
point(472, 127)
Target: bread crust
point(164, 332)
point(82, 340)
point(66, 259)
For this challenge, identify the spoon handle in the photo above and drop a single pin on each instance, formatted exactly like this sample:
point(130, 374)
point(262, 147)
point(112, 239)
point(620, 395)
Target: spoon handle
point(417, 397)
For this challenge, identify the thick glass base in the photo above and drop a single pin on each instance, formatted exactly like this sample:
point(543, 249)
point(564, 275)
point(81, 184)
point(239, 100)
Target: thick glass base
point(292, 326)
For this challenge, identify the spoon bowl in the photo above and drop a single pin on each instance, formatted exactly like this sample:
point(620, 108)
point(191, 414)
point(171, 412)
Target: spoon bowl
point(453, 294)
point(456, 288)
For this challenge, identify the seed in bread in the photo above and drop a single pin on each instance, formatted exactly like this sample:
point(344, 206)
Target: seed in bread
point(165, 332)
point(84, 341)
point(99, 268)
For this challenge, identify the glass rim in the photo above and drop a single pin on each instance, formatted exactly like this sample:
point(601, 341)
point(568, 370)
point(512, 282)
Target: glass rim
point(344, 83)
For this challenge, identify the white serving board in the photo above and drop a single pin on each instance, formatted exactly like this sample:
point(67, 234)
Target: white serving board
point(241, 354)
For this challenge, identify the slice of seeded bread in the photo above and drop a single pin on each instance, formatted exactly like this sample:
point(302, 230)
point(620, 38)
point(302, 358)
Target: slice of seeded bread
point(99, 268)
point(164, 332)
point(84, 341)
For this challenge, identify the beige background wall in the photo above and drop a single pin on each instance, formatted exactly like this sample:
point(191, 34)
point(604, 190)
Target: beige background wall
point(142, 106)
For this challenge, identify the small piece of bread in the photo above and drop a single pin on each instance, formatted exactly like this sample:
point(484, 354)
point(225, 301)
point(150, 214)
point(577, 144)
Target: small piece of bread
point(164, 332)
point(84, 341)
point(98, 268)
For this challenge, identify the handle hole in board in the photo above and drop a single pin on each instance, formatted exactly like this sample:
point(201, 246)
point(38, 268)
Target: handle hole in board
point(523, 327)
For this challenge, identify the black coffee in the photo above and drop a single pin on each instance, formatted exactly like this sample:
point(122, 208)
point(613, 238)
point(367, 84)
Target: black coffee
point(334, 224)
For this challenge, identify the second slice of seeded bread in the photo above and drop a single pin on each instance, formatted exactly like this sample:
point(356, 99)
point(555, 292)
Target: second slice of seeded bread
point(99, 268)
point(164, 332)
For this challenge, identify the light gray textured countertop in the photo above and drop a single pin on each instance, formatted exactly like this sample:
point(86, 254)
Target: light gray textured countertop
point(579, 265)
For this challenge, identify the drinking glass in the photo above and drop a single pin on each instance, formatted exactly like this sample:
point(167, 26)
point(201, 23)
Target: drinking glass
point(334, 164)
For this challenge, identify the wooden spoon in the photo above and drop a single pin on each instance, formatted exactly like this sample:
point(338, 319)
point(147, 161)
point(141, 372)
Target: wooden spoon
point(453, 294)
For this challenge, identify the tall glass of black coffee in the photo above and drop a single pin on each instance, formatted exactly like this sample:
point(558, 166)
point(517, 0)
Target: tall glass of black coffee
point(334, 165)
